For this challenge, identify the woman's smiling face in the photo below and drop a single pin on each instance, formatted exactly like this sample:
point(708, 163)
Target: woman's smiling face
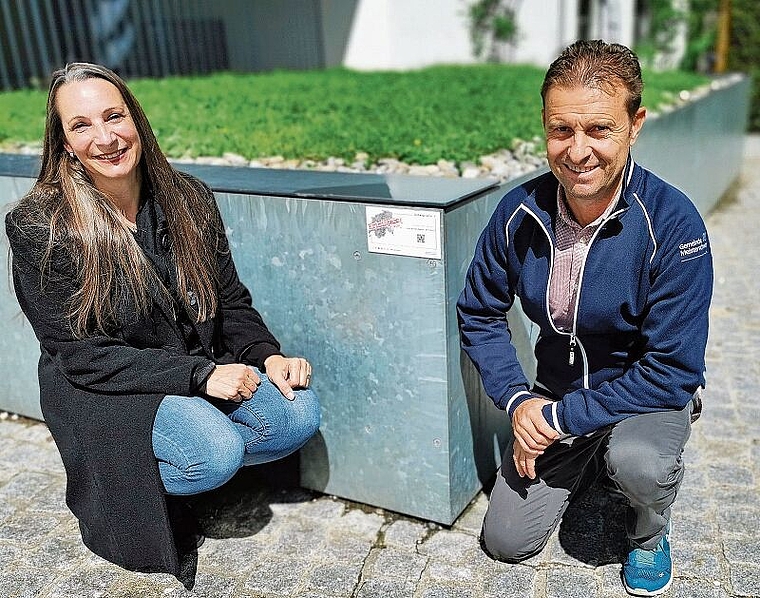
point(100, 131)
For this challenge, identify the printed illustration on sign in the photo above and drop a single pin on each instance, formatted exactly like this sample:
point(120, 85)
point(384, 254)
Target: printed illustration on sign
point(404, 231)
point(383, 223)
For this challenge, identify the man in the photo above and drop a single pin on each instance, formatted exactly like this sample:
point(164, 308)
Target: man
point(613, 265)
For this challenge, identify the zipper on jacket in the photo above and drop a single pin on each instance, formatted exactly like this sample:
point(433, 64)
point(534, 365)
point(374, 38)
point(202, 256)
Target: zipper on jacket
point(573, 336)
point(571, 359)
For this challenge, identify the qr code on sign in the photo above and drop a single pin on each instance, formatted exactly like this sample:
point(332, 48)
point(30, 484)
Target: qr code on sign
point(420, 238)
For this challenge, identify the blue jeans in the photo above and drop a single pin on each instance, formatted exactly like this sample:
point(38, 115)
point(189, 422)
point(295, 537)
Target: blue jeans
point(200, 445)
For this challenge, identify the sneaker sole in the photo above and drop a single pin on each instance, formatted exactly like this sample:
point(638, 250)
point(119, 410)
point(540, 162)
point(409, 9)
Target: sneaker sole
point(642, 591)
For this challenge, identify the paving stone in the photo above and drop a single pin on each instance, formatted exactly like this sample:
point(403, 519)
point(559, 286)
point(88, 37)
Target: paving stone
point(282, 577)
point(694, 533)
point(34, 457)
point(743, 499)
point(437, 571)
point(232, 554)
point(52, 501)
point(48, 461)
point(385, 588)
point(611, 583)
point(26, 486)
point(688, 588)
point(471, 521)
point(452, 546)
point(346, 549)
point(301, 541)
point(23, 582)
point(731, 475)
point(283, 512)
point(358, 523)
point(323, 509)
point(697, 561)
point(58, 551)
point(27, 528)
point(335, 579)
point(8, 430)
point(392, 563)
point(137, 588)
point(206, 586)
point(518, 580)
point(739, 521)
point(745, 579)
point(405, 534)
point(85, 583)
point(29, 431)
point(9, 552)
point(489, 567)
point(448, 591)
point(742, 550)
point(7, 510)
point(570, 583)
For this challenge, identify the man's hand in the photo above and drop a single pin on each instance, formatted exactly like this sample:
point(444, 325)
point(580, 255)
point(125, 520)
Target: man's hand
point(287, 373)
point(530, 428)
point(532, 436)
point(524, 463)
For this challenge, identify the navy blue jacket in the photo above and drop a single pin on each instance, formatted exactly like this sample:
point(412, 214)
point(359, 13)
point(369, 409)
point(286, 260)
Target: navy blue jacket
point(639, 335)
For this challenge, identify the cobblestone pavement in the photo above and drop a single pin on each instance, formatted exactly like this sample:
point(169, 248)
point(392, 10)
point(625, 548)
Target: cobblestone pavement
point(268, 538)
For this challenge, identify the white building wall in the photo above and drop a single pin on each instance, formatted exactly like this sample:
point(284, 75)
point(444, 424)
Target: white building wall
point(545, 27)
point(408, 34)
point(614, 21)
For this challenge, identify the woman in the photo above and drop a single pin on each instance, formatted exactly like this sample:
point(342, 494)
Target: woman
point(152, 358)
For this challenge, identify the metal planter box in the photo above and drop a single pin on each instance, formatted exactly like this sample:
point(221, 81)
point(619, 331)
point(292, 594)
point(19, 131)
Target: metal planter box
point(361, 273)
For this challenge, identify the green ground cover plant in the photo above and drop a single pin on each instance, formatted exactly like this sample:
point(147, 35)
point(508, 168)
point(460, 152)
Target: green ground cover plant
point(452, 112)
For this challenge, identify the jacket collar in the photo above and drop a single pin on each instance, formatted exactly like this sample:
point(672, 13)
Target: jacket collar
point(542, 201)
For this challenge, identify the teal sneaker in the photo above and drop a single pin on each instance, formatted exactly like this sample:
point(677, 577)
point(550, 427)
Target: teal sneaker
point(649, 572)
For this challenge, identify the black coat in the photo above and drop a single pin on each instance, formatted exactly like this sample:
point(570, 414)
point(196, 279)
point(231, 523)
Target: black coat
point(99, 395)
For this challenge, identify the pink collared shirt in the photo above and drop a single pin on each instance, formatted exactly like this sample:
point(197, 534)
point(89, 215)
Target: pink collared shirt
point(569, 256)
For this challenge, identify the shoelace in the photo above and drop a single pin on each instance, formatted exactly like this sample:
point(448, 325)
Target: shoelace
point(643, 558)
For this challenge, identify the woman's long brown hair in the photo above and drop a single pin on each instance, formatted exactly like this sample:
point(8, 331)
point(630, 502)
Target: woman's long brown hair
point(109, 266)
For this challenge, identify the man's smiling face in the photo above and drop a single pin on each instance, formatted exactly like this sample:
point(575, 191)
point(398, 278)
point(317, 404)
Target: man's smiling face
point(588, 137)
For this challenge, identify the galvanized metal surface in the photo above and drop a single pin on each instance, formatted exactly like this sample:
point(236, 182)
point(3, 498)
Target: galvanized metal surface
point(396, 429)
point(698, 147)
point(19, 349)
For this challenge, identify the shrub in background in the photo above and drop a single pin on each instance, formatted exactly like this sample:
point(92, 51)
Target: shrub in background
point(744, 53)
point(492, 22)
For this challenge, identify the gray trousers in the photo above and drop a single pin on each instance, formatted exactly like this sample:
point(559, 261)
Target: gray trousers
point(642, 457)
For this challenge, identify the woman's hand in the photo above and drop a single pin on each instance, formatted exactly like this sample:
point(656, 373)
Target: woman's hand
point(232, 382)
point(287, 373)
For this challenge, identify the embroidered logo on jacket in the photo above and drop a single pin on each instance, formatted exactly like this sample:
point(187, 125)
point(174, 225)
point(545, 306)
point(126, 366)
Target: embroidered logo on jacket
point(694, 248)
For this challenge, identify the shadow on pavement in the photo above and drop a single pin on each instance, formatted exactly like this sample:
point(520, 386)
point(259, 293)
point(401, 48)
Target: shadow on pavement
point(593, 526)
point(241, 508)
